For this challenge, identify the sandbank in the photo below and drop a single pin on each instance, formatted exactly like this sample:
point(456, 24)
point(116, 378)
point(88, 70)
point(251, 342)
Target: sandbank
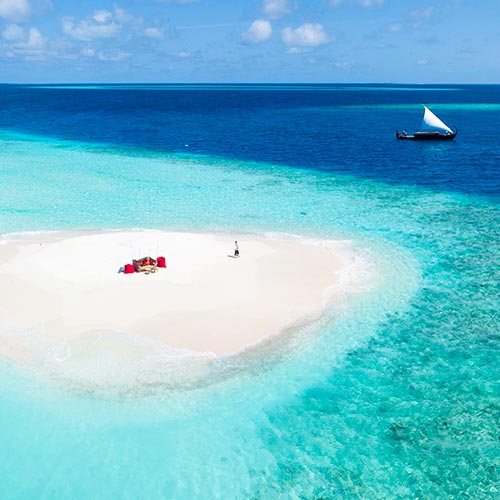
point(66, 286)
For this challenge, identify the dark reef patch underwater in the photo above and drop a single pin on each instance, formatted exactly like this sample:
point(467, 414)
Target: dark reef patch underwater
point(398, 397)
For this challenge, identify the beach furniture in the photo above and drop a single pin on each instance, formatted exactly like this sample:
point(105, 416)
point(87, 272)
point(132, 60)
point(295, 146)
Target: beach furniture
point(129, 269)
point(145, 265)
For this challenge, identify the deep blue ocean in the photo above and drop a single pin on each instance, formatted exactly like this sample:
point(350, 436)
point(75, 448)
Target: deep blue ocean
point(332, 128)
point(397, 396)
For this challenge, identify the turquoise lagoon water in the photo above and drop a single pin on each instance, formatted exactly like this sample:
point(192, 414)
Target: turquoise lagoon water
point(394, 394)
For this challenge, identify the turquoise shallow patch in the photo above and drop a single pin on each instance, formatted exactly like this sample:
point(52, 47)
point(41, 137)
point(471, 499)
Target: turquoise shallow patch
point(243, 87)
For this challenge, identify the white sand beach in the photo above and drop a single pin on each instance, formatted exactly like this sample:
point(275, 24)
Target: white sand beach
point(66, 285)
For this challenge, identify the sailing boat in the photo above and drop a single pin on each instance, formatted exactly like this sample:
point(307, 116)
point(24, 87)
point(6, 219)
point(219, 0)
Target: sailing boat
point(432, 129)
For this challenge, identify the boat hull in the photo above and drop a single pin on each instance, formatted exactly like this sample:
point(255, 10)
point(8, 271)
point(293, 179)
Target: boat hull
point(427, 136)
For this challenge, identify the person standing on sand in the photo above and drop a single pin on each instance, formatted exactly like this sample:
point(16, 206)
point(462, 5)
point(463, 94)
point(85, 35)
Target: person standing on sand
point(236, 249)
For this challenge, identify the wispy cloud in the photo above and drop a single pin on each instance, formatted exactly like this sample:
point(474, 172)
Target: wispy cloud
point(363, 3)
point(13, 32)
point(307, 35)
point(260, 31)
point(33, 45)
point(276, 8)
point(102, 16)
point(395, 27)
point(420, 16)
point(296, 50)
point(29, 44)
point(100, 25)
point(113, 55)
point(371, 3)
point(154, 33)
point(88, 51)
point(415, 20)
point(345, 64)
point(14, 10)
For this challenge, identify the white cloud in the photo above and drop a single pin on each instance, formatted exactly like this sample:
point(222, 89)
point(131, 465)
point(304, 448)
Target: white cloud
point(102, 16)
point(423, 62)
point(260, 31)
point(154, 33)
point(14, 10)
point(33, 45)
point(335, 3)
point(90, 28)
point(307, 35)
point(112, 55)
point(275, 8)
point(101, 24)
point(13, 32)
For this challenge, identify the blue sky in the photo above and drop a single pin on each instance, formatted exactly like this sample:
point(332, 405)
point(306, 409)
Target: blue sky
point(408, 41)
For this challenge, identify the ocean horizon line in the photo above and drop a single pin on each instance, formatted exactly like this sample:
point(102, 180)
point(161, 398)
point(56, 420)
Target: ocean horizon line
point(236, 84)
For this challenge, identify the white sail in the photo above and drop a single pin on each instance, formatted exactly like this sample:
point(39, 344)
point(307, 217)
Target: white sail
point(431, 123)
